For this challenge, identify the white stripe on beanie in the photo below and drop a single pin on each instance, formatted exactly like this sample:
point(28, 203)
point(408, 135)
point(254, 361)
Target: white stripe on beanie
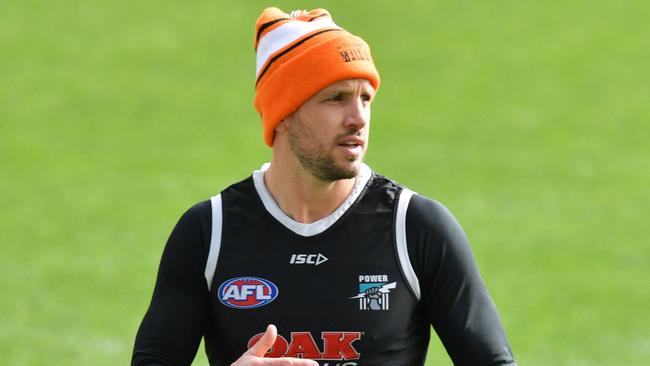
point(285, 34)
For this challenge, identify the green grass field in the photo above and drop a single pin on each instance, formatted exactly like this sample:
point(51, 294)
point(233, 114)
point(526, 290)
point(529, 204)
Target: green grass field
point(529, 120)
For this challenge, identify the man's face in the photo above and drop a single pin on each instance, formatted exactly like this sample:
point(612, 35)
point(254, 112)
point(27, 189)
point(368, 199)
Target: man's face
point(329, 132)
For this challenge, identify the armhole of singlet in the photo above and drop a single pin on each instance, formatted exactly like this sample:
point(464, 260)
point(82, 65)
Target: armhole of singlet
point(400, 242)
point(215, 239)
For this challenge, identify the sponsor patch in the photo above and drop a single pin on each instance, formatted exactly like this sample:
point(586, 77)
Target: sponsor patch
point(334, 346)
point(314, 259)
point(247, 292)
point(374, 292)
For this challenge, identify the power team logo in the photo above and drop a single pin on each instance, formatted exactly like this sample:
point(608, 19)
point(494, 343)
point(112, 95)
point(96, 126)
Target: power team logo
point(374, 292)
point(247, 292)
point(336, 346)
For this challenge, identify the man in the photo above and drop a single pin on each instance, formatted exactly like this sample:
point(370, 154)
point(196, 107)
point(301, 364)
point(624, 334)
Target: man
point(315, 259)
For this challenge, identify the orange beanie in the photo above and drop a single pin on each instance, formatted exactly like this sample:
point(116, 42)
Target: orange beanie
point(297, 56)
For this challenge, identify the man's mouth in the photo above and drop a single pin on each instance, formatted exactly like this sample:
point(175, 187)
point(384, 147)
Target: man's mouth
point(352, 148)
point(351, 142)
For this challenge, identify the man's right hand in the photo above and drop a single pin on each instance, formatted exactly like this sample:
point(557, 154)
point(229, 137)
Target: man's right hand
point(255, 355)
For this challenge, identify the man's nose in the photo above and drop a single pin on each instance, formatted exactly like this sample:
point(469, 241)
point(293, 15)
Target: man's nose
point(357, 114)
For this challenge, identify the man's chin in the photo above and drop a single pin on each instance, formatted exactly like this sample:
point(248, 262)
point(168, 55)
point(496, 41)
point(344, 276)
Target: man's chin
point(334, 172)
point(348, 170)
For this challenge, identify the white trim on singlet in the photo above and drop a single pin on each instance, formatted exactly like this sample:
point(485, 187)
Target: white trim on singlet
point(400, 240)
point(215, 239)
point(316, 227)
point(285, 34)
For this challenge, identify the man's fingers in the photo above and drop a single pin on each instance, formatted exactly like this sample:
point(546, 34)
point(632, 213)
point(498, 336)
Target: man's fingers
point(265, 343)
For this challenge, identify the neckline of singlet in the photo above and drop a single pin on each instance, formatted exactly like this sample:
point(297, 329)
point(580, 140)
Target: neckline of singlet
point(315, 227)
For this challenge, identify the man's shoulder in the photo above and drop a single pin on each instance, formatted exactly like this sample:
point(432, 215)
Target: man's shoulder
point(428, 214)
point(381, 187)
point(418, 204)
point(422, 212)
point(200, 213)
point(203, 209)
point(244, 187)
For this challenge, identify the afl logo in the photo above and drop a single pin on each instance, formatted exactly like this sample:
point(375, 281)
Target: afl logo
point(247, 292)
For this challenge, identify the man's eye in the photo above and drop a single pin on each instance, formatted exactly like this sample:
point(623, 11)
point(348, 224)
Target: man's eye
point(366, 97)
point(336, 98)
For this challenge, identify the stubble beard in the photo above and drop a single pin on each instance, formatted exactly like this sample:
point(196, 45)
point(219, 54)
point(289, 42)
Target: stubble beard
point(316, 159)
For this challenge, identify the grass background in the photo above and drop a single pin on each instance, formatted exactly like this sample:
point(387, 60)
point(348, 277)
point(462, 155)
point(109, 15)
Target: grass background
point(529, 120)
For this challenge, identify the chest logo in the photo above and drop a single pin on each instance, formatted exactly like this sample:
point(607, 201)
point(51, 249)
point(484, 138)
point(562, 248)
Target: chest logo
point(314, 259)
point(247, 292)
point(374, 292)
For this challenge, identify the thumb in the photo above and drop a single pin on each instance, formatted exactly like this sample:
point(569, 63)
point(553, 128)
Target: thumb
point(265, 343)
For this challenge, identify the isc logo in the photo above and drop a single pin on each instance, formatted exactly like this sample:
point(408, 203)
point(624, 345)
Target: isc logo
point(314, 259)
point(247, 292)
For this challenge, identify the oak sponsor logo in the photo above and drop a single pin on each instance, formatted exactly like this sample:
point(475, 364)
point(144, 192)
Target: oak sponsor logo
point(334, 346)
point(314, 259)
point(247, 292)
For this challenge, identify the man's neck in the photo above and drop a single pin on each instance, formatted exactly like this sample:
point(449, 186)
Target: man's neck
point(301, 195)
